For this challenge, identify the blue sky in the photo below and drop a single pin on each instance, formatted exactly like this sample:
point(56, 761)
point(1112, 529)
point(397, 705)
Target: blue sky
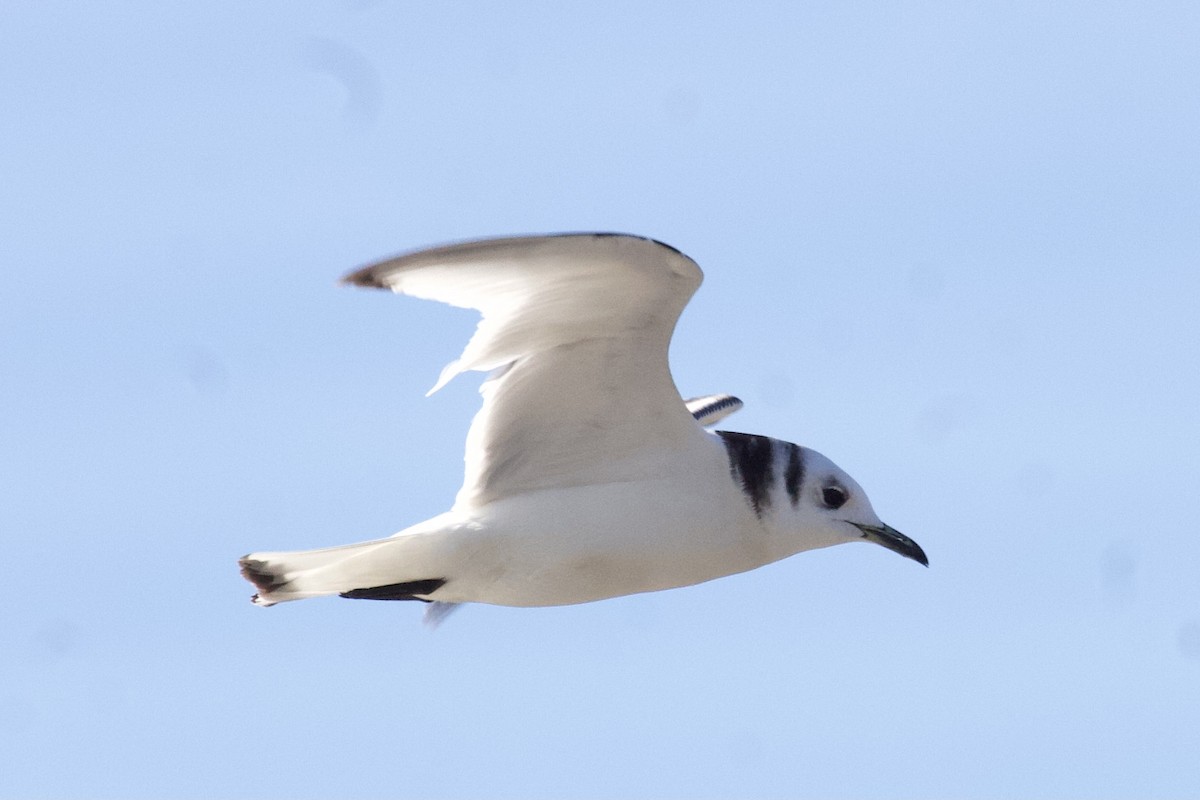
point(955, 247)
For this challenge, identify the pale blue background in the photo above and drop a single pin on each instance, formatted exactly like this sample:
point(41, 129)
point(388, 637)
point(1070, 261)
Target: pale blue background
point(956, 247)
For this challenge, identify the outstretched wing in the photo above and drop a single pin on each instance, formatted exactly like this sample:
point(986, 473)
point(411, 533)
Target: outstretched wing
point(575, 330)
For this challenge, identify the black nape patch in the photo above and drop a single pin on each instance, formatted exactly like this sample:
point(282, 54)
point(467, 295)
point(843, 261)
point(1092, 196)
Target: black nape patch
point(398, 591)
point(793, 476)
point(751, 463)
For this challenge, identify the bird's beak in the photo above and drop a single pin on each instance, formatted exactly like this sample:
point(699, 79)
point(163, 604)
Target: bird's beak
point(893, 540)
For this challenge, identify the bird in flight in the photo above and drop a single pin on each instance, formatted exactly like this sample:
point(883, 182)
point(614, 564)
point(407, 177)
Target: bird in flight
point(587, 475)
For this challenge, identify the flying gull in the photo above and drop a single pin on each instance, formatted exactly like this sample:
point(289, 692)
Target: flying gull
point(588, 476)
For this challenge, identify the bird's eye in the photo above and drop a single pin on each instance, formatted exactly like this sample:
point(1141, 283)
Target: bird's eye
point(833, 496)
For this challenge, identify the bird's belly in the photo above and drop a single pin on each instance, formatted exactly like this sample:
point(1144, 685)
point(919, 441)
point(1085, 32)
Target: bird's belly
point(566, 546)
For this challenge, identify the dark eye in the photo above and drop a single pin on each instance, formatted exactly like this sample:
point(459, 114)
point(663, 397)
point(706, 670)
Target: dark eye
point(833, 496)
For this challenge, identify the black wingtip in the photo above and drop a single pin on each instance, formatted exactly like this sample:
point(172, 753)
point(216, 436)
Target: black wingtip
point(675, 250)
point(364, 278)
point(397, 591)
point(617, 234)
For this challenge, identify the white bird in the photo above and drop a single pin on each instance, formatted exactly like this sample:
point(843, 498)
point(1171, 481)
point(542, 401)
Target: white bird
point(588, 476)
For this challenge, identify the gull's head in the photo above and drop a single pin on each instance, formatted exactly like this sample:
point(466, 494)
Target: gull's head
point(832, 509)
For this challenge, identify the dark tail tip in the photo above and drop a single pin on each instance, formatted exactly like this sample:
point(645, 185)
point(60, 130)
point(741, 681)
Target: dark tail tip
point(260, 574)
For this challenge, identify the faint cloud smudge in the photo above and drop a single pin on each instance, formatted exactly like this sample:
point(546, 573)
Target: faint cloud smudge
point(1189, 640)
point(1035, 479)
point(356, 74)
point(778, 392)
point(1118, 571)
point(745, 750)
point(55, 639)
point(925, 281)
point(205, 372)
point(681, 105)
point(17, 712)
point(943, 416)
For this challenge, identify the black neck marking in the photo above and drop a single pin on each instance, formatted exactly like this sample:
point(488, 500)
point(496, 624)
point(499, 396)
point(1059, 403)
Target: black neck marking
point(793, 476)
point(751, 464)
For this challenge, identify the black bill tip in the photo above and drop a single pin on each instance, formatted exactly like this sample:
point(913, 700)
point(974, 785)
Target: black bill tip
point(894, 540)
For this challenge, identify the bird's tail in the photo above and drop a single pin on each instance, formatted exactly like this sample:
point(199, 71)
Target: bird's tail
point(402, 567)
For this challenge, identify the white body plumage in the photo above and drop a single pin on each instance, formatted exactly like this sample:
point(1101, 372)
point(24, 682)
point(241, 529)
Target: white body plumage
point(587, 475)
